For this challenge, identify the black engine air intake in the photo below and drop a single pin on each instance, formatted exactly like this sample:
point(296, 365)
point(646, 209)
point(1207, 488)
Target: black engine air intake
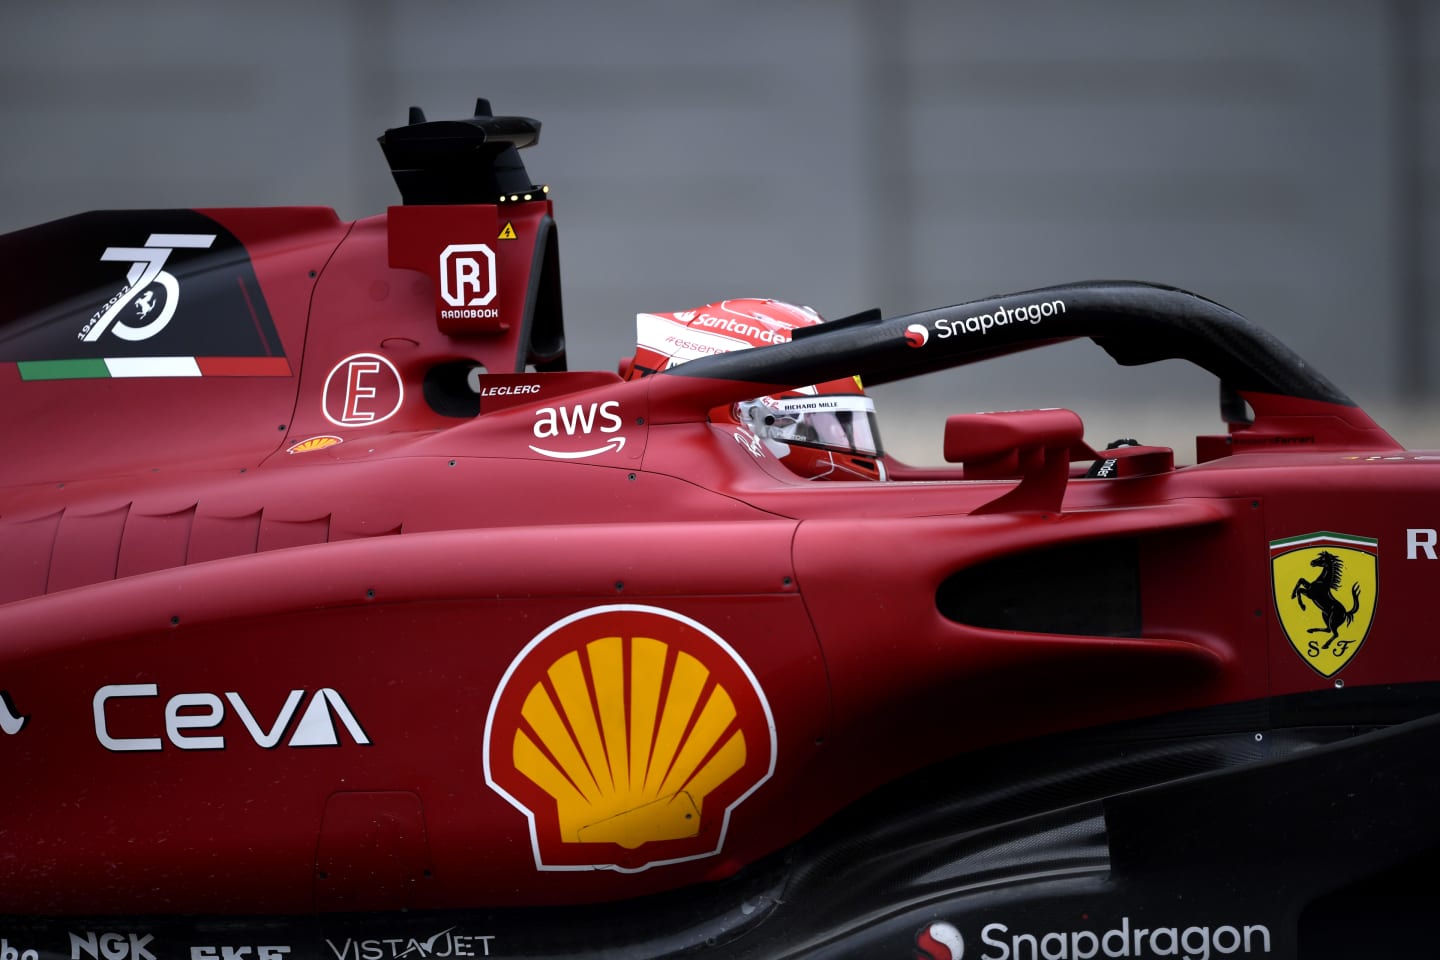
point(1086, 589)
point(475, 160)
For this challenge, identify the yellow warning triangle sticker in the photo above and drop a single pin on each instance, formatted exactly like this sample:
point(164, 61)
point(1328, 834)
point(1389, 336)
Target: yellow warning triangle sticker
point(509, 232)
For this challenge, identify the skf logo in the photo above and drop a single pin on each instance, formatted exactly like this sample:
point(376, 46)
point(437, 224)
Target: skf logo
point(627, 735)
point(111, 946)
point(917, 335)
point(362, 390)
point(239, 953)
point(12, 721)
point(1325, 592)
point(147, 271)
point(580, 420)
point(939, 941)
point(467, 274)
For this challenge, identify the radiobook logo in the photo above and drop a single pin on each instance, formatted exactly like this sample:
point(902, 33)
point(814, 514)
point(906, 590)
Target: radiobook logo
point(467, 279)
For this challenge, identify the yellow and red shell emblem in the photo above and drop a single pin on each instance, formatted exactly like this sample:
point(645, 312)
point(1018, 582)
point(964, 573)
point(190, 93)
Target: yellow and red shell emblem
point(627, 735)
point(314, 443)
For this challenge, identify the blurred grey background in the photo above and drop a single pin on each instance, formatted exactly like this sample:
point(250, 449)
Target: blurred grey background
point(1279, 158)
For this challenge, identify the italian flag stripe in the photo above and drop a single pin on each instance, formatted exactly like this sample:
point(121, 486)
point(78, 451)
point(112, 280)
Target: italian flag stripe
point(108, 367)
point(62, 369)
point(152, 366)
point(243, 366)
point(1323, 535)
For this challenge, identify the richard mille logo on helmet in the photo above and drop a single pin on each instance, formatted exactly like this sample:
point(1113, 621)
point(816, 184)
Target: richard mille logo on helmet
point(1325, 592)
point(626, 735)
point(146, 303)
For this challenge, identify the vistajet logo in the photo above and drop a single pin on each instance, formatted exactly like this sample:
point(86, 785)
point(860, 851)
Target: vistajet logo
point(983, 323)
point(443, 945)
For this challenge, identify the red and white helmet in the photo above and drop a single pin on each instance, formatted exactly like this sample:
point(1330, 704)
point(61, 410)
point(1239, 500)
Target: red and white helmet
point(822, 432)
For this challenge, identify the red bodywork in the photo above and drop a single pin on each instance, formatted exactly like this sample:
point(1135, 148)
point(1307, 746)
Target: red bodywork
point(248, 671)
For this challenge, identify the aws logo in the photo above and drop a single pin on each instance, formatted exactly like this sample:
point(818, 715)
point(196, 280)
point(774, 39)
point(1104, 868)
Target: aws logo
point(1325, 588)
point(627, 735)
point(581, 420)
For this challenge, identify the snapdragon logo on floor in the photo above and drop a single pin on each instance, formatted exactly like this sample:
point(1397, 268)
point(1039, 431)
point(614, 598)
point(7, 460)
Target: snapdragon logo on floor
point(997, 941)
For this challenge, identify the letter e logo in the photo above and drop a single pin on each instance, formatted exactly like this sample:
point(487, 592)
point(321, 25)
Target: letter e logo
point(362, 390)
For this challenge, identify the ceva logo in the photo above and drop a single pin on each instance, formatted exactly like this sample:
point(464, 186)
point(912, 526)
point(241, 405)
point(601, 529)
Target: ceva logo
point(316, 727)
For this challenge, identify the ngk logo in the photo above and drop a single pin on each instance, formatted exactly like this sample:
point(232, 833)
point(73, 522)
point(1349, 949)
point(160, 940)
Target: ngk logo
point(467, 274)
point(111, 946)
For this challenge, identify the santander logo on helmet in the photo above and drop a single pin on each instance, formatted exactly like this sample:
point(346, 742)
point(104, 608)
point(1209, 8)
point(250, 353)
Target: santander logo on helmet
point(822, 431)
point(665, 340)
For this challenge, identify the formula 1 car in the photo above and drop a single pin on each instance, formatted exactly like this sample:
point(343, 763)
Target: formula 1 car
point(338, 619)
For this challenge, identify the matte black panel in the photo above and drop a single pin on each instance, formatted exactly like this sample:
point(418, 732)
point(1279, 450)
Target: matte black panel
point(1086, 589)
point(61, 276)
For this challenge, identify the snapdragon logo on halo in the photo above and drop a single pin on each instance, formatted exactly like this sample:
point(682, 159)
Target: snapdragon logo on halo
point(983, 323)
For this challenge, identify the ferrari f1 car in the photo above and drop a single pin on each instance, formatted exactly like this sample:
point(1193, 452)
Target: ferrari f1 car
point(338, 619)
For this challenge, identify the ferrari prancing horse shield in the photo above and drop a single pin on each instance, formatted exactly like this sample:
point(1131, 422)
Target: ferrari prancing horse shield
point(1325, 588)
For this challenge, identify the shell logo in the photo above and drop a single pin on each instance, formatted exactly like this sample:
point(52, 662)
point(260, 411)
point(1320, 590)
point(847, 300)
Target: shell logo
point(627, 735)
point(314, 443)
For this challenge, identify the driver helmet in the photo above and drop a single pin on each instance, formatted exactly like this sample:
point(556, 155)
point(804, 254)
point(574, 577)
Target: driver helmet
point(822, 432)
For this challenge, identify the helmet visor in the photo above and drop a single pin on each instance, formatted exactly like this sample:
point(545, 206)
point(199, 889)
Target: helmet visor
point(844, 423)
